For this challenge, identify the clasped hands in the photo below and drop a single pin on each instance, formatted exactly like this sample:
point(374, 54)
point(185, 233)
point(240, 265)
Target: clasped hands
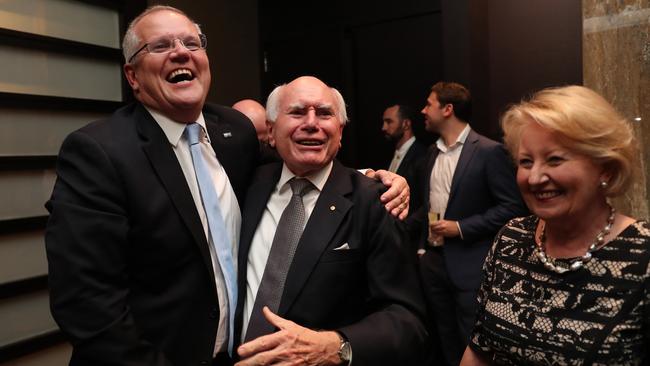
point(292, 344)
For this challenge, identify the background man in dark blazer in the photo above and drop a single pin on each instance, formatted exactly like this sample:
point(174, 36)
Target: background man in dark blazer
point(469, 184)
point(351, 290)
point(133, 270)
point(397, 126)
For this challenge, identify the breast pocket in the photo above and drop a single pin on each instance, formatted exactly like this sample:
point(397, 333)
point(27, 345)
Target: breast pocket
point(343, 255)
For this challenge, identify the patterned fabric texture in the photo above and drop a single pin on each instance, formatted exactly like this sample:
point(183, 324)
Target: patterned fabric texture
point(531, 316)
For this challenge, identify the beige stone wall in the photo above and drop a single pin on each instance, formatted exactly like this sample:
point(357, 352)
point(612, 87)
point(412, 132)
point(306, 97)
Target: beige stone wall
point(616, 63)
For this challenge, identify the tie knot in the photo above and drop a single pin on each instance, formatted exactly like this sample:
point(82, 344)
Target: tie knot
point(300, 186)
point(193, 131)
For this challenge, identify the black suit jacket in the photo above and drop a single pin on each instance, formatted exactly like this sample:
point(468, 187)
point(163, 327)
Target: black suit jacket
point(370, 292)
point(407, 168)
point(483, 197)
point(131, 279)
point(409, 165)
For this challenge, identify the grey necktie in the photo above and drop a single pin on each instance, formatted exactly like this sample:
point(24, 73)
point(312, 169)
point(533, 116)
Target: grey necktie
point(283, 248)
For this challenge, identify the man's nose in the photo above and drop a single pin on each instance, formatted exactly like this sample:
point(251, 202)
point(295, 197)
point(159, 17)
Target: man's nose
point(179, 48)
point(311, 119)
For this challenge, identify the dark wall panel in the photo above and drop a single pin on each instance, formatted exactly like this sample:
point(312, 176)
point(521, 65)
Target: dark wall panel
point(395, 61)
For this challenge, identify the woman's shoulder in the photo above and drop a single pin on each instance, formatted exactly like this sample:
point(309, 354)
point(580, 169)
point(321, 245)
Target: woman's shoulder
point(523, 226)
point(637, 234)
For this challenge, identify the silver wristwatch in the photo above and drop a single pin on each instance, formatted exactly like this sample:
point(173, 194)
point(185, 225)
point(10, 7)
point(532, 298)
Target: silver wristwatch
point(345, 350)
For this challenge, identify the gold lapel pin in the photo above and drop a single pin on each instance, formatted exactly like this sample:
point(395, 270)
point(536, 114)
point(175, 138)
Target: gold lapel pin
point(332, 208)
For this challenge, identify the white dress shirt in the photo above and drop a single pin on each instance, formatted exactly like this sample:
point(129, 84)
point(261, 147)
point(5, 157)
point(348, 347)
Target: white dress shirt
point(399, 154)
point(227, 201)
point(443, 173)
point(263, 237)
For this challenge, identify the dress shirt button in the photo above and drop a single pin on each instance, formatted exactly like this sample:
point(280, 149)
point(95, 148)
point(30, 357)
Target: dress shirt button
point(214, 313)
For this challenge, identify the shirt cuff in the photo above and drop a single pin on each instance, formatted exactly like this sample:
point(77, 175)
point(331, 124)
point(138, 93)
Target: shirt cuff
point(459, 230)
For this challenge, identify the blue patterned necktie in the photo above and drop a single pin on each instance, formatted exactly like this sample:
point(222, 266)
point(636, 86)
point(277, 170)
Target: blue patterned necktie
point(220, 238)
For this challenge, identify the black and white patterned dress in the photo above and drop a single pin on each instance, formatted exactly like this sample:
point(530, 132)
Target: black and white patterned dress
point(532, 316)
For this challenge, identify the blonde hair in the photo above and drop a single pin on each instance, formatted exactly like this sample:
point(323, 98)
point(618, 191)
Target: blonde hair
point(585, 123)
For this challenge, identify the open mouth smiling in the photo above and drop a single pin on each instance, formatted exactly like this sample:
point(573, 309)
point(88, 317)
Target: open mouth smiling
point(310, 142)
point(180, 75)
point(545, 195)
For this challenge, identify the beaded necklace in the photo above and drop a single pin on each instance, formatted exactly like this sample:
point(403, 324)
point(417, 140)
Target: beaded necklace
point(551, 264)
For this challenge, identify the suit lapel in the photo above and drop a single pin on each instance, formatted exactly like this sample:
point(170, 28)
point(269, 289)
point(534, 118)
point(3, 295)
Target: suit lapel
point(220, 136)
point(258, 196)
point(161, 156)
point(466, 155)
point(321, 227)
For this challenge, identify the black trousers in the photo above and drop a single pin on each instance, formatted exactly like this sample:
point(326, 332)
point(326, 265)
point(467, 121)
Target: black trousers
point(452, 310)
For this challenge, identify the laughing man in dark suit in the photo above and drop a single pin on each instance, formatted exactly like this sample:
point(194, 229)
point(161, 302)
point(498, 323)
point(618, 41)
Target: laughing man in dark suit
point(348, 291)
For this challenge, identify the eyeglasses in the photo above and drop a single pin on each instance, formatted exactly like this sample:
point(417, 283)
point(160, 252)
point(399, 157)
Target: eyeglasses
point(164, 45)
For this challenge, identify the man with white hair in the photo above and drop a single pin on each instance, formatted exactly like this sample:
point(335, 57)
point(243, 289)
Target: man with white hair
point(324, 277)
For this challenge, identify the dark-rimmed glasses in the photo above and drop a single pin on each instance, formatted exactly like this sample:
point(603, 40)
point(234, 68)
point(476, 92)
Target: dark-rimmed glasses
point(166, 44)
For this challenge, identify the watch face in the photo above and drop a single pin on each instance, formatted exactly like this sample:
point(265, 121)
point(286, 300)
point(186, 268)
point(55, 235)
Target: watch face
point(345, 352)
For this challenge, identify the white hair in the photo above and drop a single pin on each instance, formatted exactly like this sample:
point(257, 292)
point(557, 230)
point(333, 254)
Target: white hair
point(273, 104)
point(131, 40)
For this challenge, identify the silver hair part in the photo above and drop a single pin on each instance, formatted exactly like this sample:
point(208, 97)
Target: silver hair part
point(273, 104)
point(131, 40)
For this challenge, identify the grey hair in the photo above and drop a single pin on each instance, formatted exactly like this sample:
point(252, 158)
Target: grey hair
point(273, 104)
point(131, 40)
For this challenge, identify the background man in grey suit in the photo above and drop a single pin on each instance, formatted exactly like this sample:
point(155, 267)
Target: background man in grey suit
point(470, 192)
point(349, 289)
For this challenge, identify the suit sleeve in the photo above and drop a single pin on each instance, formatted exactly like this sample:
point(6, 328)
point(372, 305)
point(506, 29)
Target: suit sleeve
point(502, 185)
point(393, 332)
point(87, 243)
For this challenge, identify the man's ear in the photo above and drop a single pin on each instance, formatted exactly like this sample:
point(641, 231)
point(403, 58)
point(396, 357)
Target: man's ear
point(448, 110)
point(269, 128)
point(131, 77)
point(407, 124)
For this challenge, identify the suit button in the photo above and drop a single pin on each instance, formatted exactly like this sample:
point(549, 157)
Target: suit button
point(214, 313)
point(204, 362)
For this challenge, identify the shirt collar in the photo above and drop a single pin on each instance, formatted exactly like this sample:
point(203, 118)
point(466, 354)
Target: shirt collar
point(406, 146)
point(172, 129)
point(460, 140)
point(318, 178)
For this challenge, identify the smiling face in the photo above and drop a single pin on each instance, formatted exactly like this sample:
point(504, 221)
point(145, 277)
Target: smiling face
point(434, 113)
point(556, 183)
point(307, 131)
point(174, 83)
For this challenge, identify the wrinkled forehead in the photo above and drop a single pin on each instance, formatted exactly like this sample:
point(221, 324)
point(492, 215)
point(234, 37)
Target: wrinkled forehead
point(165, 23)
point(308, 95)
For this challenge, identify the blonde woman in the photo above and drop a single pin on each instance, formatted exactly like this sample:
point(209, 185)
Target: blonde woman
point(569, 285)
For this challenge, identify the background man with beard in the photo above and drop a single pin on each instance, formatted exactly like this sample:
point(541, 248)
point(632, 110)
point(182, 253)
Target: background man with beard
point(398, 128)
